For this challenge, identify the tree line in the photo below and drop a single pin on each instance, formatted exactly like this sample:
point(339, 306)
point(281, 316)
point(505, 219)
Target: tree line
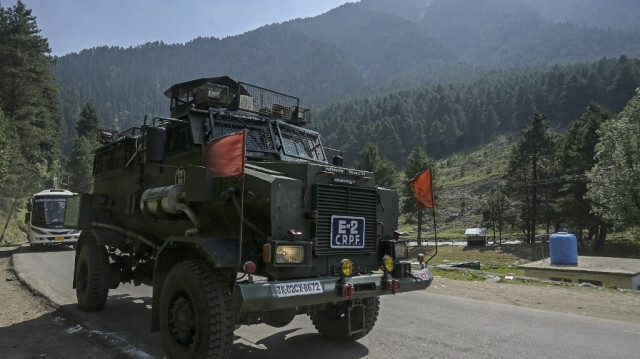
point(31, 123)
point(584, 180)
point(454, 117)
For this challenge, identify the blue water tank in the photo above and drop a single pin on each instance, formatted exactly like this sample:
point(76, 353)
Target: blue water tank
point(563, 248)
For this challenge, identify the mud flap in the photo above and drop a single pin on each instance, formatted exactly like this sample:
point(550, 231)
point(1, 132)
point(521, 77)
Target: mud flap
point(363, 326)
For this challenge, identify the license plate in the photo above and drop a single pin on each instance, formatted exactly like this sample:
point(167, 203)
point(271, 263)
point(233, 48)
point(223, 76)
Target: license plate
point(58, 238)
point(347, 232)
point(421, 275)
point(298, 288)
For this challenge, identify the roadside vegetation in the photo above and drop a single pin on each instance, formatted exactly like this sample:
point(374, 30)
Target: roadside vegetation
point(15, 231)
point(504, 259)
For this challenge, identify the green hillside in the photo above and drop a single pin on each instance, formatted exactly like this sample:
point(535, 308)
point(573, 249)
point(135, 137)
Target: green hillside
point(462, 183)
point(450, 118)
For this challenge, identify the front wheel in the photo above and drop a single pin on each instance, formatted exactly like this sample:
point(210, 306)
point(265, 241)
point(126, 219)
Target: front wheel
point(335, 321)
point(92, 277)
point(195, 313)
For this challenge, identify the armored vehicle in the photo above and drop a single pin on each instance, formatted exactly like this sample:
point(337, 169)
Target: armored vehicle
point(284, 232)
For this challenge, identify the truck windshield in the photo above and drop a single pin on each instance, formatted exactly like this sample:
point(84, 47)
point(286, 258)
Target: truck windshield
point(269, 139)
point(48, 211)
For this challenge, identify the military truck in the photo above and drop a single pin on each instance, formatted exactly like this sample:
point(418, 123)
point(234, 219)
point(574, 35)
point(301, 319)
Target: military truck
point(291, 234)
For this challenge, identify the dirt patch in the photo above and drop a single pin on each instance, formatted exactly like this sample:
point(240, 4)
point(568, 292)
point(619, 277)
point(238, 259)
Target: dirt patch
point(30, 327)
point(596, 302)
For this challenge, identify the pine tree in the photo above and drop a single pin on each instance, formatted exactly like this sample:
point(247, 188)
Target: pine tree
point(615, 178)
point(625, 82)
point(80, 164)
point(28, 96)
point(576, 158)
point(89, 122)
point(529, 163)
point(384, 170)
point(5, 149)
point(494, 212)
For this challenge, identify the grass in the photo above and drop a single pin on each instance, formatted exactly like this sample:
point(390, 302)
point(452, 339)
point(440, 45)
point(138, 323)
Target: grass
point(458, 275)
point(496, 256)
point(15, 232)
point(503, 259)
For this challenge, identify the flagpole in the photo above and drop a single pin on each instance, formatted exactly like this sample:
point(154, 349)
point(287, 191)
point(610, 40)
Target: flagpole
point(435, 236)
point(423, 192)
point(225, 157)
point(433, 210)
point(241, 223)
point(244, 152)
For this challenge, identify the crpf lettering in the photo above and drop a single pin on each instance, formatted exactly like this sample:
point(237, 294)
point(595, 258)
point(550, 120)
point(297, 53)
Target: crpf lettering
point(347, 239)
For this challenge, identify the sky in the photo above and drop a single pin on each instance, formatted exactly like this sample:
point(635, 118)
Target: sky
point(74, 25)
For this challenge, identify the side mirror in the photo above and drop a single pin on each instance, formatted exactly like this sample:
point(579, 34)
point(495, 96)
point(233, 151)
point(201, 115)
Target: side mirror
point(27, 217)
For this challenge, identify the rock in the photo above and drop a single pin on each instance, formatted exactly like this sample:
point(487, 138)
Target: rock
point(490, 278)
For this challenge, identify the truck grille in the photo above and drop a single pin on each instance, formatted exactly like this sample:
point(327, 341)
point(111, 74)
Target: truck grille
point(332, 200)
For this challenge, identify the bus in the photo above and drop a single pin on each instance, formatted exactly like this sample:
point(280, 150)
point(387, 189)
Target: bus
point(45, 219)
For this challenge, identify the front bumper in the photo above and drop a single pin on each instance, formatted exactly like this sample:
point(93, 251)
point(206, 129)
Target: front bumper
point(54, 238)
point(266, 296)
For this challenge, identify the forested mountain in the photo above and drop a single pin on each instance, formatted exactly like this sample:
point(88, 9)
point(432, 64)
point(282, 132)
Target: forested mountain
point(617, 14)
point(383, 45)
point(445, 119)
point(126, 84)
point(499, 33)
point(358, 50)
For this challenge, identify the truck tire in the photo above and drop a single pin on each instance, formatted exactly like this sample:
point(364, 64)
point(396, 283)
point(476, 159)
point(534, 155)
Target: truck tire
point(333, 323)
point(196, 320)
point(92, 277)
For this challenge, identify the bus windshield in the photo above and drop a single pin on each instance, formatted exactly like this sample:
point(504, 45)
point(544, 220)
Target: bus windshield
point(48, 211)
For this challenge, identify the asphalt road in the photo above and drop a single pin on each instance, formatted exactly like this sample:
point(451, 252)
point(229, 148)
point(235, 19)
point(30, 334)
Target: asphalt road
point(410, 325)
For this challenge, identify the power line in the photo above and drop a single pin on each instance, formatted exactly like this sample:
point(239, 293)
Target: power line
point(545, 181)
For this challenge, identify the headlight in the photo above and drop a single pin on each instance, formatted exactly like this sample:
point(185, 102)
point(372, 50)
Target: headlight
point(401, 250)
point(289, 254)
point(346, 267)
point(387, 263)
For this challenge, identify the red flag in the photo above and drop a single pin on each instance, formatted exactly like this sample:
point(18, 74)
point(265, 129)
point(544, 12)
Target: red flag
point(422, 188)
point(224, 156)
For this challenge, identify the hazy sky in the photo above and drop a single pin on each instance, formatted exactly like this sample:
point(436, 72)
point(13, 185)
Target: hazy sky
point(74, 25)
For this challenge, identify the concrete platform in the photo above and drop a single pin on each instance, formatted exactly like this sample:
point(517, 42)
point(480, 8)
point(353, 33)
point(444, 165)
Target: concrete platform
point(621, 272)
